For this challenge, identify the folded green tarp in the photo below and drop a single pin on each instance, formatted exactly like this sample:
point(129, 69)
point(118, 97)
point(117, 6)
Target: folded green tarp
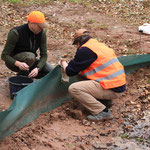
point(48, 93)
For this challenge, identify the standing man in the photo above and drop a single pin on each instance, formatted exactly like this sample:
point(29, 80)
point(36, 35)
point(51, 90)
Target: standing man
point(21, 47)
point(104, 74)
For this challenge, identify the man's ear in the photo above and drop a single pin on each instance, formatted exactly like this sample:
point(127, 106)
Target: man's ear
point(31, 23)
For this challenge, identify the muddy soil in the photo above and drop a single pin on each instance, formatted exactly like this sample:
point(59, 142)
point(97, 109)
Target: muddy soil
point(66, 127)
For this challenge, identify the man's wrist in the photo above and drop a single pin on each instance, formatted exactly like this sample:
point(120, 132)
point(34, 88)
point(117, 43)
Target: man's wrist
point(38, 69)
point(17, 63)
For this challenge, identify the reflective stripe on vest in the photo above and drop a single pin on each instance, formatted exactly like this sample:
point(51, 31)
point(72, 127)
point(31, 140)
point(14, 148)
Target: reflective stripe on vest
point(106, 69)
point(111, 76)
point(101, 67)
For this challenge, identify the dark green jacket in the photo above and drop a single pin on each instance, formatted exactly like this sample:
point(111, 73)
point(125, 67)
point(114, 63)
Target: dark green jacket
point(21, 39)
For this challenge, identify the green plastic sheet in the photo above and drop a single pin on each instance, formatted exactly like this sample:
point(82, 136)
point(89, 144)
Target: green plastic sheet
point(48, 93)
point(134, 62)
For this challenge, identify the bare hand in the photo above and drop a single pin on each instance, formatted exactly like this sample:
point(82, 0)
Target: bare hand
point(33, 73)
point(64, 64)
point(21, 65)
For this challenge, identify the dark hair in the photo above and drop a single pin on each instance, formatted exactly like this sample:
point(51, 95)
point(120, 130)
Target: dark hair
point(81, 39)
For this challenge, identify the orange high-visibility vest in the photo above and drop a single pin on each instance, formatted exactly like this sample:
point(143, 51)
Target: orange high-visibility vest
point(106, 69)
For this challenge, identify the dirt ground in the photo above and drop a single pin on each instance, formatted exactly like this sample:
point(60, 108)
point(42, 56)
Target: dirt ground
point(66, 127)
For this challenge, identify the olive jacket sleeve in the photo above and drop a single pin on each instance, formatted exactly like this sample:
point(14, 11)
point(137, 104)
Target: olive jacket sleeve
point(43, 51)
point(11, 41)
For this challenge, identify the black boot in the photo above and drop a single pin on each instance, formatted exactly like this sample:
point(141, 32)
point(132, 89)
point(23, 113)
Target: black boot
point(107, 103)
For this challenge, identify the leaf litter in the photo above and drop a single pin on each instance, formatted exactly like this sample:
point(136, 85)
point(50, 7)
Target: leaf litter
point(66, 127)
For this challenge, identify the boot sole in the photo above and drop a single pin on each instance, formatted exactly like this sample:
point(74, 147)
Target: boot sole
point(103, 119)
